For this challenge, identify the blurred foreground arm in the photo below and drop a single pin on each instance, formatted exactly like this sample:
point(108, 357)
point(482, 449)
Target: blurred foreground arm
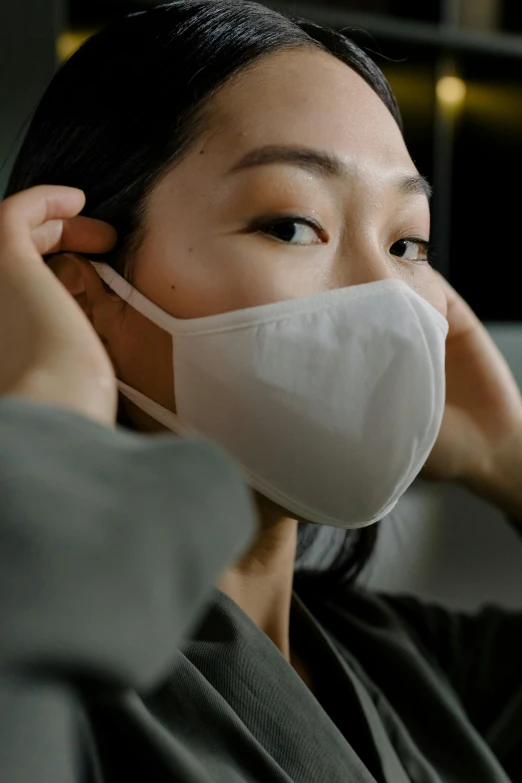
point(110, 545)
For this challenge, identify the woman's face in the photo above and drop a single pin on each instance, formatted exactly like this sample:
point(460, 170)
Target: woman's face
point(302, 184)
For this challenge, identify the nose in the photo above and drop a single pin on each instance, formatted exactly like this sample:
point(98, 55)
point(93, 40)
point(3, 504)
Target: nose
point(363, 262)
point(368, 261)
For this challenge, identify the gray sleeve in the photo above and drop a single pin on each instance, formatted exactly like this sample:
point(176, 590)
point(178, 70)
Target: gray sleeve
point(110, 544)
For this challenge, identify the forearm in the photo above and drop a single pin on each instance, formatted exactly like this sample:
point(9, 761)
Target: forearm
point(500, 482)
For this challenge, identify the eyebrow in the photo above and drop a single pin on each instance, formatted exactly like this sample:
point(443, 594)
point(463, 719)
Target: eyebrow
point(322, 163)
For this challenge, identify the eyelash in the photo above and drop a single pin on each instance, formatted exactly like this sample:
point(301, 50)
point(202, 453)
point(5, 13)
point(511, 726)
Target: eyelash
point(266, 222)
point(262, 223)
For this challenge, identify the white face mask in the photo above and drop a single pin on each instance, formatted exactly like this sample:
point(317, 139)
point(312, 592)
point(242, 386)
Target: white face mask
point(330, 403)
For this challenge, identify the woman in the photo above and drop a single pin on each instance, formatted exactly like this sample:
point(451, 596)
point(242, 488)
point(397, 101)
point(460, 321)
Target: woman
point(270, 289)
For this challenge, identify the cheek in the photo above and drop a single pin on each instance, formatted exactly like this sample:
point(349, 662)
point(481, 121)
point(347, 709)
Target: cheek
point(207, 274)
point(177, 271)
point(199, 279)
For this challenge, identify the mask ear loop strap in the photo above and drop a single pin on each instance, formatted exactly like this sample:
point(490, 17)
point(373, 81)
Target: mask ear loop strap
point(162, 415)
point(169, 420)
point(133, 297)
point(130, 295)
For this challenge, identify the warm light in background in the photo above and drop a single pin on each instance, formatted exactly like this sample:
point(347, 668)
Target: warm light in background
point(451, 90)
point(69, 42)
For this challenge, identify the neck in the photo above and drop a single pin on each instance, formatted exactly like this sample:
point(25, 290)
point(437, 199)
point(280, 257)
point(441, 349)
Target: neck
point(261, 582)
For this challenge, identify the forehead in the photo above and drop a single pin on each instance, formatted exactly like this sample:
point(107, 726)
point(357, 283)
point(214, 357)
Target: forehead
point(309, 98)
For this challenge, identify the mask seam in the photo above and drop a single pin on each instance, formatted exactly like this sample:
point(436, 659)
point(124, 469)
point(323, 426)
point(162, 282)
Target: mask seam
point(276, 318)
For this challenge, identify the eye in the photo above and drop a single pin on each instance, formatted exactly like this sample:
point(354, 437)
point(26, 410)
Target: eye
point(291, 230)
point(415, 251)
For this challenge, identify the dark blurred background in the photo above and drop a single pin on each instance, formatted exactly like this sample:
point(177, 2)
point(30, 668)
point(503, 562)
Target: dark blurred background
point(456, 67)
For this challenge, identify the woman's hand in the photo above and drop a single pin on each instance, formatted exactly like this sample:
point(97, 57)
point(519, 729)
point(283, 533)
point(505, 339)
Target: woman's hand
point(480, 441)
point(49, 352)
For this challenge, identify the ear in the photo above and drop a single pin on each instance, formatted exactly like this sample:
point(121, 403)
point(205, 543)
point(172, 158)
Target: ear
point(78, 277)
point(82, 281)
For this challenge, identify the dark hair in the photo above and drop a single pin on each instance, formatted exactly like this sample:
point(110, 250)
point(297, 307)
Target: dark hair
point(132, 101)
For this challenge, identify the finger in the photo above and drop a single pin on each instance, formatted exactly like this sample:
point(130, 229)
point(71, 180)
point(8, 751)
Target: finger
point(30, 208)
point(461, 318)
point(80, 234)
point(87, 235)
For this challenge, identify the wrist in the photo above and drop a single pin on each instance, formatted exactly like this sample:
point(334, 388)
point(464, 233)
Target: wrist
point(498, 477)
